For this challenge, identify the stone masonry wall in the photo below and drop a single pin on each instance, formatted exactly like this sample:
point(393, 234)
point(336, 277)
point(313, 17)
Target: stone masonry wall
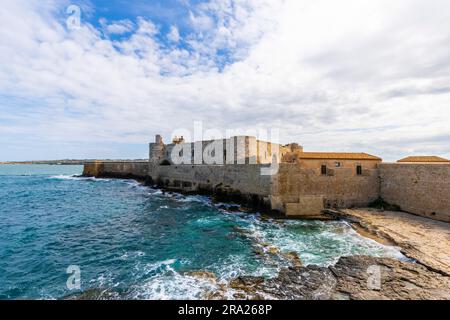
point(416, 188)
point(117, 169)
point(297, 188)
point(239, 183)
point(422, 189)
point(246, 179)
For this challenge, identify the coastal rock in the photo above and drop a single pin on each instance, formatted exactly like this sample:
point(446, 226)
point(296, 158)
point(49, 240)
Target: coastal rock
point(202, 275)
point(355, 278)
point(294, 258)
point(364, 278)
point(94, 294)
point(273, 250)
point(291, 284)
point(420, 238)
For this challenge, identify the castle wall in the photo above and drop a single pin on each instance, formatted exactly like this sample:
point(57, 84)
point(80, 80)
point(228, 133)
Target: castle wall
point(422, 189)
point(236, 150)
point(245, 179)
point(117, 169)
point(341, 188)
point(296, 191)
point(331, 164)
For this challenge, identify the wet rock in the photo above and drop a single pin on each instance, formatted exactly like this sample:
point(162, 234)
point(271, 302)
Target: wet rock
point(381, 279)
point(294, 258)
point(420, 238)
point(356, 278)
point(229, 208)
point(94, 294)
point(273, 250)
point(258, 251)
point(202, 275)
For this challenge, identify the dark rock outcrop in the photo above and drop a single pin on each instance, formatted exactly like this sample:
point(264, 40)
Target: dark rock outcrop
point(354, 278)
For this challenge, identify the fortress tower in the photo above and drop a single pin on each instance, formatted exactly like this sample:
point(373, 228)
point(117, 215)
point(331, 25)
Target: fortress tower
point(157, 150)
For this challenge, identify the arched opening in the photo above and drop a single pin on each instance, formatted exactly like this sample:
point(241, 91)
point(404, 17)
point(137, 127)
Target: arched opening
point(165, 162)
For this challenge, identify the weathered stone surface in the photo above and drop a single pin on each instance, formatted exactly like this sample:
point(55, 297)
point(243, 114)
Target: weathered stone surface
point(424, 240)
point(202, 275)
point(417, 188)
point(398, 280)
point(306, 206)
point(351, 278)
point(422, 189)
point(117, 169)
point(95, 294)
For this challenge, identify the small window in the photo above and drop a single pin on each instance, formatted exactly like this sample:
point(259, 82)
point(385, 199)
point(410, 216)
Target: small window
point(359, 170)
point(323, 169)
point(337, 164)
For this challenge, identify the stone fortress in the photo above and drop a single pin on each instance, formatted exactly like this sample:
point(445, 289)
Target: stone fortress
point(287, 180)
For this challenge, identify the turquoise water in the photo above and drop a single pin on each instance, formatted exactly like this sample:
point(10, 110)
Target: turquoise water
point(141, 243)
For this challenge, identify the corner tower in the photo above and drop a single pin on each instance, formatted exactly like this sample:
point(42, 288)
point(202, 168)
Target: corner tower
point(157, 150)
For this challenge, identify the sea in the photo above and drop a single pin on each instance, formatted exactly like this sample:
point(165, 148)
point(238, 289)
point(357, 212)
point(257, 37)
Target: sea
point(63, 236)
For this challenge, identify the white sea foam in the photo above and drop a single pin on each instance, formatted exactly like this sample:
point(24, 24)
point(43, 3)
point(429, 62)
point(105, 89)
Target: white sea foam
point(77, 178)
point(167, 284)
point(324, 246)
point(174, 286)
point(156, 192)
point(131, 255)
point(199, 199)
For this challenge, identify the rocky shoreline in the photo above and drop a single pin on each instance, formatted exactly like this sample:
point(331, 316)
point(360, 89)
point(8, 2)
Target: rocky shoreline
point(350, 279)
point(424, 240)
point(424, 277)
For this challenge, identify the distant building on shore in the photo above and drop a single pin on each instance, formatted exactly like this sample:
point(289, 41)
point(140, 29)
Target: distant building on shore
point(424, 160)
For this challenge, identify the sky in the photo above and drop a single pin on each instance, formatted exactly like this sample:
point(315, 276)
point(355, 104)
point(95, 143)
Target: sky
point(351, 75)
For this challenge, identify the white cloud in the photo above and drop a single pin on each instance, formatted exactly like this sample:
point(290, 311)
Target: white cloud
point(174, 34)
point(357, 75)
point(117, 27)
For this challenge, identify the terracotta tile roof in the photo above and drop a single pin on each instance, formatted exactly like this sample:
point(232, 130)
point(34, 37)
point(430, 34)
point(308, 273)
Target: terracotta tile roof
point(337, 156)
point(423, 159)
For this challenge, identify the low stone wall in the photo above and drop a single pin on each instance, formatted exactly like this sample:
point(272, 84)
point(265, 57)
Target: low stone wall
point(117, 169)
point(422, 189)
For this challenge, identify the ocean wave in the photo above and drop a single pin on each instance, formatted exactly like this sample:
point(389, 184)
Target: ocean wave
point(165, 283)
point(213, 282)
point(324, 247)
point(132, 255)
point(77, 178)
point(191, 198)
point(136, 185)
point(175, 286)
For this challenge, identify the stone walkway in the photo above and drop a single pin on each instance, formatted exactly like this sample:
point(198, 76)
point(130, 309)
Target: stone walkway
point(424, 240)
